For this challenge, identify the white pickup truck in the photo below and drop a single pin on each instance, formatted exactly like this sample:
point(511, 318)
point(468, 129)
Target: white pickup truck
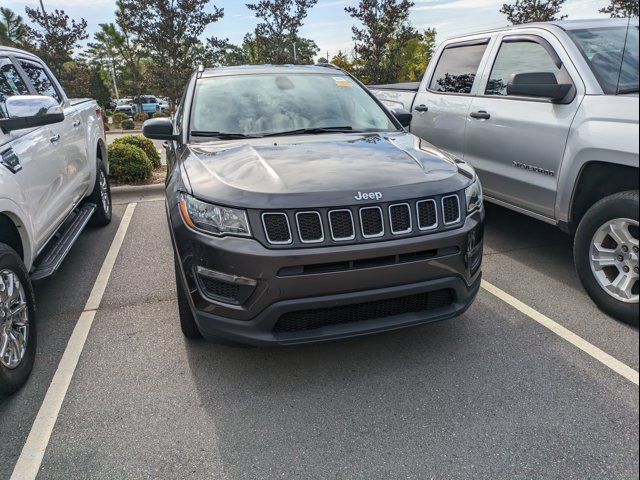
point(53, 182)
point(547, 114)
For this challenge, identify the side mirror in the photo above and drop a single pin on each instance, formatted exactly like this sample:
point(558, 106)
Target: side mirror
point(28, 111)
point(403, 116)
point(158, 129)
point(538, 84)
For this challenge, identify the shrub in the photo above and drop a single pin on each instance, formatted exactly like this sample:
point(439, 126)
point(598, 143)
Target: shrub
point(159, 115)
point(128, 124)
point(145, 144)
point(140, 117)
point(108, 113)
point(119, 117)
point(128, 163)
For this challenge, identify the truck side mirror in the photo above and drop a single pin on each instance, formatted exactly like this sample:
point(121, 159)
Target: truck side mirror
point(28, 111)
point(403, 116)
point(538, 84)
point(158, 129)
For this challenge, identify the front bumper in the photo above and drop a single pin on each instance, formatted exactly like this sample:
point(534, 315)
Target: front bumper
point(327, 279)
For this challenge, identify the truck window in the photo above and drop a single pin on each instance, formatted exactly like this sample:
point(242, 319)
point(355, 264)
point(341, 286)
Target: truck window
point(457, 68)
point(40, 80)
point(613, 56)
point(520, 57)
point(10, 84)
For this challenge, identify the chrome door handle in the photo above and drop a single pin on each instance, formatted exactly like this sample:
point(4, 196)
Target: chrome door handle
point(55, 138)
point(76, 123)
point(481, 115)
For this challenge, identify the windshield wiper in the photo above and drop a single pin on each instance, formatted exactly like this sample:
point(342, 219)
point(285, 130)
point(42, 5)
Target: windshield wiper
point(622, 91)
point(223, 135)
point(312, 131)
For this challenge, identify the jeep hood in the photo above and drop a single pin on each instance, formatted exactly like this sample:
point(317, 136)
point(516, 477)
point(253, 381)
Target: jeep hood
point(319, 170)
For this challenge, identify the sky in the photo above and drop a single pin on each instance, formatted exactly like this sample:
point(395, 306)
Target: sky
point(328, 24)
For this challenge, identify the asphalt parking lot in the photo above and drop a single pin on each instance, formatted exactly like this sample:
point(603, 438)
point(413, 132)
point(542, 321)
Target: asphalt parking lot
point(492, 394)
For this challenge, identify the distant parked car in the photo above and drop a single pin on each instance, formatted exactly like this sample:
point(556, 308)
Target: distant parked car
point(125, 105)
point(548, 116)
point(149, 103)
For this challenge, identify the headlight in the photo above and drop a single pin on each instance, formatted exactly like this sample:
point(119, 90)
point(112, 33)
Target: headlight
point(213, 219)
point(474, 196)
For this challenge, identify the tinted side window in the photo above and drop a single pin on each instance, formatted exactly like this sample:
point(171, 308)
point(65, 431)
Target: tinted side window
point(457, 69)
point(520, 57)
point(40, 80)
point(10, 84)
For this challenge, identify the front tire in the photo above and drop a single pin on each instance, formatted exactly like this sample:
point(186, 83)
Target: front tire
point(187, 322)
point(101, 197)
point(17, 322)
point(606, 255)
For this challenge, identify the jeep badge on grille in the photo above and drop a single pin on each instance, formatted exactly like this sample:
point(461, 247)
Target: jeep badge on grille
point(368, 196)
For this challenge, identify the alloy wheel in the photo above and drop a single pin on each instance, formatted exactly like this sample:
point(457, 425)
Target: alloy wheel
point(14, 320)
point(614, 259)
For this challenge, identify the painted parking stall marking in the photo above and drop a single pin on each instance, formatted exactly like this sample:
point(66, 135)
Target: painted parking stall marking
point(564, 333)
point(34, 449)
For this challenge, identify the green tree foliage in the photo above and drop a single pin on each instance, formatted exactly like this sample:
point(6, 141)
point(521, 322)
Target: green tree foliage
point(622, 9)
point(13, 31)
point(55, 36)
point(275, 39)
point(415, 56)
point(81, 80)
point(528, 11)
point(341, 60)
point(381, 38)
point(171, 31)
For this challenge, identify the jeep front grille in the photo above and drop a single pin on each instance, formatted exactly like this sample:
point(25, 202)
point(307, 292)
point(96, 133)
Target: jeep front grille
point(358, 224)
point(310, 227)
point(400, 218)
point(451, 209)
point(371, 222)
point(341, 224)
point(276, 227)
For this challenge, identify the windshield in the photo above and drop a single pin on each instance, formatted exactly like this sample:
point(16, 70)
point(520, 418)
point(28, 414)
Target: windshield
point(268, 104)
point(613, 56)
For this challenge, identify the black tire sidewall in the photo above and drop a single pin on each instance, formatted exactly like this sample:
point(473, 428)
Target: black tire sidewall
point(187, 322)
point(12, 380)
point(100, 217)
point(620, 205)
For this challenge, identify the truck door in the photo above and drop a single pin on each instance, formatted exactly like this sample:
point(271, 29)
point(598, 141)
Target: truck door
point(66, 143)
point(39, 160)
point(56, 173)
point(516, 143)
point(441, 105)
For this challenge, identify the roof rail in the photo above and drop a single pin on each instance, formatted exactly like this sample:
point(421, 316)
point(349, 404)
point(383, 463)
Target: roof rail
point(328, 65)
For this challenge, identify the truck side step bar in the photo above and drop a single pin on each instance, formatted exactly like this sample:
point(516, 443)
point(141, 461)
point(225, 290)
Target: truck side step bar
point(59, 248)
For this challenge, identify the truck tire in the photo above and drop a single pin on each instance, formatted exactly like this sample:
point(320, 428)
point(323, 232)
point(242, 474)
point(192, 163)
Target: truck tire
point(101, 196)
point(606, 255)
point(187, 322)
point(17, 322)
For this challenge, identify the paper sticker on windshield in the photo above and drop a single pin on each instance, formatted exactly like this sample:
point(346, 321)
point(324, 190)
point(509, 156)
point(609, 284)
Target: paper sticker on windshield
point(343, 82)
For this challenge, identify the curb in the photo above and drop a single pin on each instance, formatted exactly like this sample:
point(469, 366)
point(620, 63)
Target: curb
point(120, 132)
point(142, 190)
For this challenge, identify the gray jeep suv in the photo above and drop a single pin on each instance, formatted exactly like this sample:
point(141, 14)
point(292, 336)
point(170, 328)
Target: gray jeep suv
point(301, 211)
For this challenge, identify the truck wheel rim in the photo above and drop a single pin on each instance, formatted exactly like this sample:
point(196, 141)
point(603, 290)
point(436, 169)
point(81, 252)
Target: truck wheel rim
point(104, 193)
point(614, 259)
point(14, 320)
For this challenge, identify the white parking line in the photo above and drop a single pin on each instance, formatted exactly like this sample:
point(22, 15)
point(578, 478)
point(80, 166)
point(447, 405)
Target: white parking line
point(33, 451)
point(566, 334)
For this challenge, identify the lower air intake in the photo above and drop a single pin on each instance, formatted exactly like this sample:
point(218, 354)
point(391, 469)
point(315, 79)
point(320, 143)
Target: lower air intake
point(304, 320)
